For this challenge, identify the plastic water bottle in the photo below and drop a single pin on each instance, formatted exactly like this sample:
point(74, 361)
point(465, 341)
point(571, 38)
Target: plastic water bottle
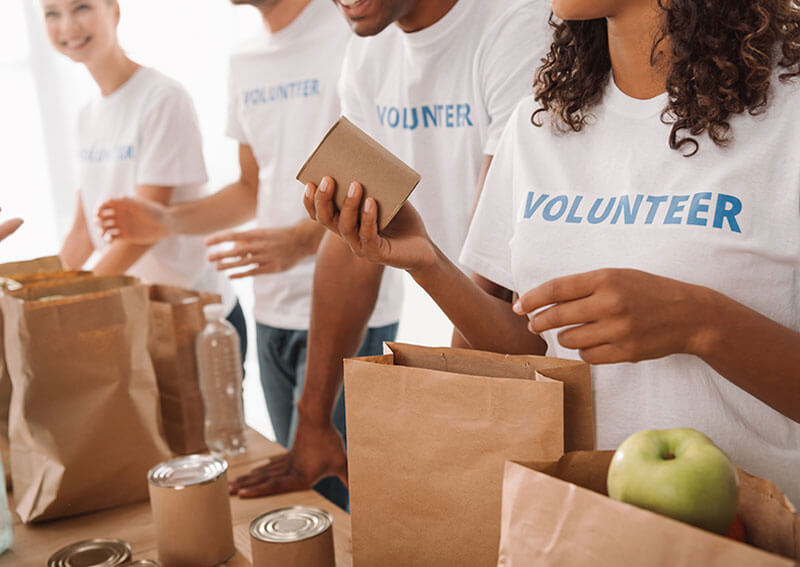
point(220, 369)
point(6, 524)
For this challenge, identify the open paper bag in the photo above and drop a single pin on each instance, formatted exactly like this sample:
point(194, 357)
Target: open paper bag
point(557, 513)
point(429, 431)
point(14, 270)
point(176, 318)
point(84, 419)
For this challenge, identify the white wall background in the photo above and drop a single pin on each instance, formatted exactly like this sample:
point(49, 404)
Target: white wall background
point(41, 92)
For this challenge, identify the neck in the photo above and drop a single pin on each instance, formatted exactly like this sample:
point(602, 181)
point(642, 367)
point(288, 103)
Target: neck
point(278, 16)
point(111, 72)
point(639, 71)
point(426, 13)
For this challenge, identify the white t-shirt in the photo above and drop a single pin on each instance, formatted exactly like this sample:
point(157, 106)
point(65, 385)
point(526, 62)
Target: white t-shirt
point(439, 98)
point(282, 100)
point(146, 133)
point(616, 195)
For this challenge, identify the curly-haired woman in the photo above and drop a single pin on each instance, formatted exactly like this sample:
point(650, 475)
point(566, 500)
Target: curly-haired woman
point(645, 206)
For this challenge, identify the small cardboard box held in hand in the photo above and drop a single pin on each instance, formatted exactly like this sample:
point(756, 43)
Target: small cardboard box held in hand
point(348, 154)
point(557, 513)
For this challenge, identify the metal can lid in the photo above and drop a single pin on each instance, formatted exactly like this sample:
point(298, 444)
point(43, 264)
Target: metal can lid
point(98, 552)
point(142, 563)
point(187, 471)
point(291, 524)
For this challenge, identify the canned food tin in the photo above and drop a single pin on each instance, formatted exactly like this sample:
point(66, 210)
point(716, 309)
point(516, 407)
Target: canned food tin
point(293, 537)
point(191, 511)
point(98, 552)
point(143, 563)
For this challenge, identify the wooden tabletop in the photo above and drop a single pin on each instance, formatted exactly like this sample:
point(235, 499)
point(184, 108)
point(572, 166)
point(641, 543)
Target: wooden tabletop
point(35, 543)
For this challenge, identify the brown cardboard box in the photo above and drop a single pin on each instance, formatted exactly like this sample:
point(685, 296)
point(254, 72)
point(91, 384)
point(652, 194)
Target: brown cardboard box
point(557, 513)
point(348, 154)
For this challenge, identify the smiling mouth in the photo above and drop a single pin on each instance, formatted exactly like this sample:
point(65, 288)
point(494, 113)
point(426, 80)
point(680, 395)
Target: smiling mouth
point(76, 43)
point(351, 3)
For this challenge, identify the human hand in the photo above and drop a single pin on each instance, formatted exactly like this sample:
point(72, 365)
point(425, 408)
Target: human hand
point(403, 244)
point(137, 220)
point(621, 315)
point(317, 452)
point(266, 250)
point(7, 228)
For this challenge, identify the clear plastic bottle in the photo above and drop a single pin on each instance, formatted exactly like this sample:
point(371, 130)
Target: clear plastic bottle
point(220, 370)
point(6, 524)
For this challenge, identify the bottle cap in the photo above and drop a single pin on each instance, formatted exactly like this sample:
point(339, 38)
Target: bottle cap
point(214, 311)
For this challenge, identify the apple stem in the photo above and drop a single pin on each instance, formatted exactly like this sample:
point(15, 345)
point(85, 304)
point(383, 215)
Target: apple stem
point(670, 456)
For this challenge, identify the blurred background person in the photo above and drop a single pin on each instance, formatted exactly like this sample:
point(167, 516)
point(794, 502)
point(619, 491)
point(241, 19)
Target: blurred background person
point(138, 137)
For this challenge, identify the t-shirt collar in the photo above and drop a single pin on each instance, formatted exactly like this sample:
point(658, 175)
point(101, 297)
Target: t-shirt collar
point(618, 101)
point(299, 26)
point(440, 29)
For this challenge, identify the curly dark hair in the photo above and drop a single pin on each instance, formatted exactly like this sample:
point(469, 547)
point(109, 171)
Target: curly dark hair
point(723, 55)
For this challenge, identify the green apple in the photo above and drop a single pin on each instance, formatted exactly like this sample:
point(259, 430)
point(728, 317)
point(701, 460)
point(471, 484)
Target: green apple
point(679, 473)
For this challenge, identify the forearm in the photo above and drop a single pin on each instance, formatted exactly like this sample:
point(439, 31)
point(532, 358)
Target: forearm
point(231, 206)
point(754, 352)
point(308, 235)
point(486, 322)
point(77, 247)
point(119, 257)
point(345, 292)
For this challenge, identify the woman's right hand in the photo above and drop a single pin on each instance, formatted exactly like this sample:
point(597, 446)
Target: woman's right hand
point(137, 220)
point(403, 244)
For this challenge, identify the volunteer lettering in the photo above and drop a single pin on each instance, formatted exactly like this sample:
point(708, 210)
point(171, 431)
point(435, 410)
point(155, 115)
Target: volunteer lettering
point(701, 209)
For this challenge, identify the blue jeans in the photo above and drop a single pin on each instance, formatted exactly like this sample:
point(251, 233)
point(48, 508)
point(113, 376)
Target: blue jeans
point(236, 318)
point(282, 364)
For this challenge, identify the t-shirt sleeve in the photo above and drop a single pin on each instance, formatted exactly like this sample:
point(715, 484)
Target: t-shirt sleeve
point(512, 51)
point(351, 87)
point(233, 127)
point(170, 143)
point(487, 249)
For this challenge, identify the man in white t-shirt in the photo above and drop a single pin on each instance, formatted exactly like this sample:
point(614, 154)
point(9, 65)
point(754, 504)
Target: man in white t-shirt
point(282, 100)
point(436, 89)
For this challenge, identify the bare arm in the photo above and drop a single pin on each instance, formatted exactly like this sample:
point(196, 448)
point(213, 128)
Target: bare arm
point(77, 246)
point(345, 293)
point(230, 206)
point(458, 339)
point(122, 254)
point(619, 315)
point(147, 222)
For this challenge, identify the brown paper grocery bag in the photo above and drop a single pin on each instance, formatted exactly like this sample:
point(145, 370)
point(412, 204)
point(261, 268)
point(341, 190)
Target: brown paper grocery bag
point(429, 431)
point(14, 271)
point(176, 317)
point(557, 514)
point(84, 419)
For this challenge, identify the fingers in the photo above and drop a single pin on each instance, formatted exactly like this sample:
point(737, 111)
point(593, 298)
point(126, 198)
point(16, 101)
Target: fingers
point(8, 227)
point(308, 200)
point(277, 485)
point(558, 290)
point(241, 250)
point(575, 312)
point(348, 216)
point(324, 205)
point(257, 271)
point(233, 236)
point(368, 234)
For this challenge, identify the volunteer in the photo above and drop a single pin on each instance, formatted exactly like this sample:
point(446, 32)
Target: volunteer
point(9, 227)
point(139, 136)
point(436, 89)
point(644, 207)
point(282, 100)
